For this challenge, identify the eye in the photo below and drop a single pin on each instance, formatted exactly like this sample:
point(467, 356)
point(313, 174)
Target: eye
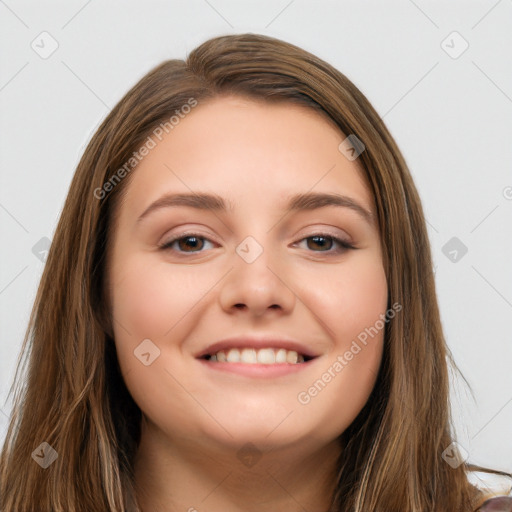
point(184, 242)
point(325, 242)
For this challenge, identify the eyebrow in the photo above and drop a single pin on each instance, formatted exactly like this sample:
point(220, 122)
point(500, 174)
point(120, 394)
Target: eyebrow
point(297, 202)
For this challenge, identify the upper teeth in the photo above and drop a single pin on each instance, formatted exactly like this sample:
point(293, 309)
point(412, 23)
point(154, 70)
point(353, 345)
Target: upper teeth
point(261, 356)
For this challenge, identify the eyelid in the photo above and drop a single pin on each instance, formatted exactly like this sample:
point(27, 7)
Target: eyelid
point(182, 234)
point(331, 231)
point(344, 244)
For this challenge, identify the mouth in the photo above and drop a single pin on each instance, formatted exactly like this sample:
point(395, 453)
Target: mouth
point(264, 356)
point(259, 356)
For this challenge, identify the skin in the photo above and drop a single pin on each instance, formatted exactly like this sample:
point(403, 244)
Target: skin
point(196, 420)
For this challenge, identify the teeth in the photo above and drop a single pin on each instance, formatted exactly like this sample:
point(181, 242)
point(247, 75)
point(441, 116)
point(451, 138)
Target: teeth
point(266, 356)
point(233, 356)
point(248, 356)
point(261, 356)
point(291, 356)
point(281, 356)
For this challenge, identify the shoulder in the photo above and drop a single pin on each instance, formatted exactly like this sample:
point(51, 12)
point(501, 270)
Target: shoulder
point(498, 504)
point(497, 485)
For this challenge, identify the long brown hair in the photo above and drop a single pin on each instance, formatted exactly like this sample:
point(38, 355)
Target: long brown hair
point(73, 397)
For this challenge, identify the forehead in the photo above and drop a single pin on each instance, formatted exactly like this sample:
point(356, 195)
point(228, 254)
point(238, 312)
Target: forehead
point(249, 151)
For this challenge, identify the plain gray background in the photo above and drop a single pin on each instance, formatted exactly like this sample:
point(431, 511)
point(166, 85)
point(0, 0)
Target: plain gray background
point(449, 108)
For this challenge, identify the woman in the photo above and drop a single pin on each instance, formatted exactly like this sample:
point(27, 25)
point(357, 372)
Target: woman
point(238, 310)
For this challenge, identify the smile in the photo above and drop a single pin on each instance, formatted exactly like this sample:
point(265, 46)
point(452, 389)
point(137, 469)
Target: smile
point(266, 356)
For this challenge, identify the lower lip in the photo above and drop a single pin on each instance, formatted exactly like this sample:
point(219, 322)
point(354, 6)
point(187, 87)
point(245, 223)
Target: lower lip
point(257, 370)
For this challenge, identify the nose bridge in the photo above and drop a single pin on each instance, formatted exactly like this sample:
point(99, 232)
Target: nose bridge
point(256, 261)
point(256, 280)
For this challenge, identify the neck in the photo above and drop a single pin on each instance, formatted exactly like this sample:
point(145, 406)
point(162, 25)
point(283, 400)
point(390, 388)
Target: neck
point(188, 477)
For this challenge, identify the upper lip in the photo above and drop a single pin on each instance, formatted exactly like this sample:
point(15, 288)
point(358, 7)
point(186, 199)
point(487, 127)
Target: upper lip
point(257, 342)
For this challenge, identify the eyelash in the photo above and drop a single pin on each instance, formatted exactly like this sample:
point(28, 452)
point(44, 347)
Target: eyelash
point(344, 244)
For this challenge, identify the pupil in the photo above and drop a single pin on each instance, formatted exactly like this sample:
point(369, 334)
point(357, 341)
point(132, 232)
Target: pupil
point(316, 238)
point(184, 244)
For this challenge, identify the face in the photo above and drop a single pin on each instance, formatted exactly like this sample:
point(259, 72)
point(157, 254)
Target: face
point(287, 280)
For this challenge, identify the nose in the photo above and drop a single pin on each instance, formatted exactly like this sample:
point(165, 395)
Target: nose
point(258, 287)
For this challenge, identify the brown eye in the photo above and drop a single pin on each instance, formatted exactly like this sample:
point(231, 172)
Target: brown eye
point(190, 242)
point(325, 243)
point(322, 242)
point(186, 244)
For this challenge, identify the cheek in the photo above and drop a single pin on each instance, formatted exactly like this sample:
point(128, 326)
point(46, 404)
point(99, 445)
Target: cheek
point(149, 298)
point(365, 298)
point(359, 323)
point(148, 301)
point(350, 299)
point(350, 303)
